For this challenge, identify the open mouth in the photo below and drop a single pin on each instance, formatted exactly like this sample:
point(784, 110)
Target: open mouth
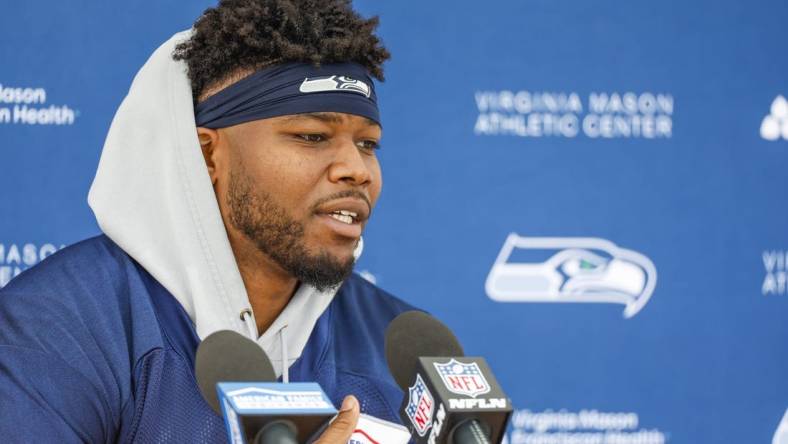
point(345, 216)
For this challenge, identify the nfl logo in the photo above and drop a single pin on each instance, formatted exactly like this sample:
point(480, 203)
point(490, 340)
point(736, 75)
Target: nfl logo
point(463, 379)
point(420, 406)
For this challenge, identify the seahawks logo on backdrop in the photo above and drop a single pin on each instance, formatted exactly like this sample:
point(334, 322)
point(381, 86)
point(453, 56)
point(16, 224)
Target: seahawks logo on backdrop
point(334, 83)
point(571, 269)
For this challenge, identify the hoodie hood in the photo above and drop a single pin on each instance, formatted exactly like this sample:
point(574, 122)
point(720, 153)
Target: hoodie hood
point(152, 196)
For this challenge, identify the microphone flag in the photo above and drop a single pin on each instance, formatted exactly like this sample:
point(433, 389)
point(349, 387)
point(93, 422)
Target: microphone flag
point(446, 392)
point(249, 406)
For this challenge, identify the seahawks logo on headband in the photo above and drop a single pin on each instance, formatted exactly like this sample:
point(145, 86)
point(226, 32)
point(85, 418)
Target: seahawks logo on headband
point(334, 83)
point(281, 90)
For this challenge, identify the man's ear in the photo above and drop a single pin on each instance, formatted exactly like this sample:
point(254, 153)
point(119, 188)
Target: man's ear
point(209, 143)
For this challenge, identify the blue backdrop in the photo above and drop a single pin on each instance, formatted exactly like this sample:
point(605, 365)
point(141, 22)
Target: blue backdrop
point(591, 194)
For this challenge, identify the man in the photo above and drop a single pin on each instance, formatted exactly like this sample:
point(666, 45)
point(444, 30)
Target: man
point(232, 191)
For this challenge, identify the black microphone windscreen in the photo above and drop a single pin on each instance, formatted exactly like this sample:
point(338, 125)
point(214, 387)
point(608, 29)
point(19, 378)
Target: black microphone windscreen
point(412, 335)
point(227, 356)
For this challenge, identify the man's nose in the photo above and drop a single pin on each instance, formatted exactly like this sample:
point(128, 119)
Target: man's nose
point(349, 164)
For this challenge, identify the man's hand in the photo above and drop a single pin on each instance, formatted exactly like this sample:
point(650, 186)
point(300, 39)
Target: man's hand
point(340, 429)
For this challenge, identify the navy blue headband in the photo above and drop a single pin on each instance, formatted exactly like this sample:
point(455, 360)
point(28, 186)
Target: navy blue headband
point(292, 88)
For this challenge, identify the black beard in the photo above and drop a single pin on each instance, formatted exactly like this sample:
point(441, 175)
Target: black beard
point(280, 237)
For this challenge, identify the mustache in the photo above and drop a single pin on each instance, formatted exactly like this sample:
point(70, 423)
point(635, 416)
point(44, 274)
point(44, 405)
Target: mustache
point(341, 195)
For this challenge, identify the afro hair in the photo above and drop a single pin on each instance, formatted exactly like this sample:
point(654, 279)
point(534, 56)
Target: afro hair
point(238, 37)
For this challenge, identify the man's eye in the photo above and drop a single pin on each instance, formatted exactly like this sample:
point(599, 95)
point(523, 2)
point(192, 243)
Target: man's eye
point(311, 138)
point(369, 145)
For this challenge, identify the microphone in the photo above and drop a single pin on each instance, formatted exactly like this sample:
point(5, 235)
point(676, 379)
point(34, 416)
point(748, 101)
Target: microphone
point(451, 398)
point(237, 379)
point(229, 356)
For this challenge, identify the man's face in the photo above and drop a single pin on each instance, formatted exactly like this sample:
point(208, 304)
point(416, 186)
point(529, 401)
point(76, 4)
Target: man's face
point(301, 188)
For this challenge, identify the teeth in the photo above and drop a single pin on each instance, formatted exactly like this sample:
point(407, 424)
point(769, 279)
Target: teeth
point(347, 213)
point(342, 218)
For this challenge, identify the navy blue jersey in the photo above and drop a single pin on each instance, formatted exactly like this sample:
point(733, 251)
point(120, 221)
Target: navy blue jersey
point(93, 349)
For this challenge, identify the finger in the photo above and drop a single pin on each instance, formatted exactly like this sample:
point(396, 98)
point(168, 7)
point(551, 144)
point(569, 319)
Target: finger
point(343, 425)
